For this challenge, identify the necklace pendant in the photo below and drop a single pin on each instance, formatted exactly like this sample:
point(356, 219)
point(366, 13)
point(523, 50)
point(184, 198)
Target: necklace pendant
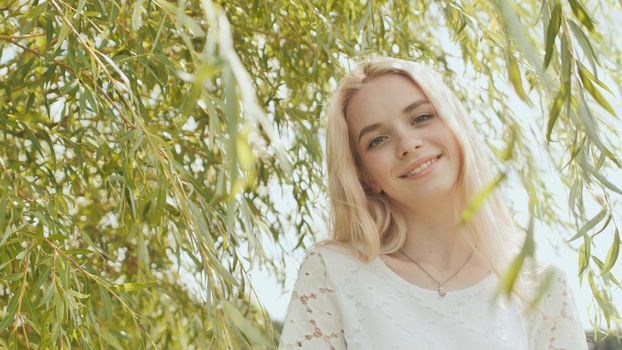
point(441, 291)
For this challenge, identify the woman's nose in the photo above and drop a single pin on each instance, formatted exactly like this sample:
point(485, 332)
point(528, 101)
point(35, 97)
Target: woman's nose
point(408, 143)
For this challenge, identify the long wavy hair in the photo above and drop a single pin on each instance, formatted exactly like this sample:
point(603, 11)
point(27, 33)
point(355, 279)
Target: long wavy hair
point(362, 221)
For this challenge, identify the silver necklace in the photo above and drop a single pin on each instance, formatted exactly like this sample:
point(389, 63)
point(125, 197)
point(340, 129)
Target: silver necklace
point(441, 290)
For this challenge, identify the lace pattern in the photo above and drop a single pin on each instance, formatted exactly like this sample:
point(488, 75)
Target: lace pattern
point(313, 319)
point(558, 327)
point(366, 307)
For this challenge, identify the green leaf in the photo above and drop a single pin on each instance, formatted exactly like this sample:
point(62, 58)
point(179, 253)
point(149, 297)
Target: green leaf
point(232, 110)
point(593, 78)
point(9, 314)
point(551, 33)
point(62, 35)
point(479, 199)
point(507, 153)
point(36, 11)
point(590, 225)
point(79, 8)
point(31, 316)
point(48, 292)
point(78, 251)
point(223, 272)
point(586, 79)
point(555, 111)
point(111, 340)
point(585, 43)
point(3, 206)
point(600, 298)
point(581, 14)
point(566, 58)
point(607, 183)
point(545, 286)
point(511, 275)
point(515, 76)
point(75, 294)
point(13, 277)
point(106, 303)
point(612, 254)
point(585, 251)
point(591, 130)
point(89, 96)
point(244, 325)
point(132, 287)
point(245, 154)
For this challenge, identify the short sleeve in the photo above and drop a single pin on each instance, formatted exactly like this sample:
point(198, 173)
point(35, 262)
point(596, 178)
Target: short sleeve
point(558, 327)
point(313, 320)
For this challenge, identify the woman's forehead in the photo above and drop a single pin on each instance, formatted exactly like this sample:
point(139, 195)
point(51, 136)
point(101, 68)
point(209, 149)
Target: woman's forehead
point(385, 95)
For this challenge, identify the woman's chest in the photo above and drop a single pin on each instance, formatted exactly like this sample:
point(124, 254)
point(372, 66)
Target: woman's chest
point(379, 314)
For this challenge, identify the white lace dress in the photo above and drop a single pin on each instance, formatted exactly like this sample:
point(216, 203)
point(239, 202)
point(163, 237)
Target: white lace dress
point(355, 305)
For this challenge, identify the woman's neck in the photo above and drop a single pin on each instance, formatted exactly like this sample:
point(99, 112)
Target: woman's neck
point(433, 237)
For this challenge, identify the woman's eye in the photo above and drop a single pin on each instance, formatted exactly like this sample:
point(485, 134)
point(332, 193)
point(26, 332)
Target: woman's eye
point(376, 141)
point(421, 118)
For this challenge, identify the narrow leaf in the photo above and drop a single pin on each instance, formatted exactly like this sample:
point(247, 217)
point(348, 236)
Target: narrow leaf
point(566, 55)
point(479, 198)
point(582, 15)
point(551, 33)
point(555, 111)
point(131, 287)
point(507, 153)
point(545, 286)
point(515, 76)
point(584, 42)
point(106, 303)
point(600, 299)
point(244, 325)
point(585, 76)
point(9, 315)
point(585, 251)
point(612, 255)
point(511, 275)
point(589, 225)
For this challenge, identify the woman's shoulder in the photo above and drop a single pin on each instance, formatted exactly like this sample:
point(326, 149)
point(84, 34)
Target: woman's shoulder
point(333, 250)
point(551, 287)
point(556, 322)
point(332, 254)
point(547, 273)
point(325, 263)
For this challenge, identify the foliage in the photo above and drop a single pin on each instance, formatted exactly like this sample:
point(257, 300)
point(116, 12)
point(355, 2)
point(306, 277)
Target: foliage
point(140, 138)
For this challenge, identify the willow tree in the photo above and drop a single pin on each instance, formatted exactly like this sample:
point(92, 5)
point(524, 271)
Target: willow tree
point(140, 139)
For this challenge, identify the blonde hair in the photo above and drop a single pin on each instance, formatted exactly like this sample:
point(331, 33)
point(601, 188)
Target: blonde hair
point(363, 222)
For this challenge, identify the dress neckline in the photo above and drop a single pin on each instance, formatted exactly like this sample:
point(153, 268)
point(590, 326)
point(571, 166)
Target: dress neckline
point(485, 281)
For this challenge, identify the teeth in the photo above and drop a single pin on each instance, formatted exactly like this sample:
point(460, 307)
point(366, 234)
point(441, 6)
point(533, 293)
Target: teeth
point(421, 167)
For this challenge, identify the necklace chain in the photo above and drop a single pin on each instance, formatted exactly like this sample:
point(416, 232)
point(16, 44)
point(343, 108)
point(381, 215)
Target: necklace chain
point(441, 290)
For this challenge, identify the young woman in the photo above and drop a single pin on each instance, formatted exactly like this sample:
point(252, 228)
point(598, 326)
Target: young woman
point(400, 271)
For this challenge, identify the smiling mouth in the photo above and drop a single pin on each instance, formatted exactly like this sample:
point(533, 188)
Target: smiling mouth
point(421, 167)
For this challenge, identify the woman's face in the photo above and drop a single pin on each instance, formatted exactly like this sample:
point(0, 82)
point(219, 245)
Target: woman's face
point(406, 150)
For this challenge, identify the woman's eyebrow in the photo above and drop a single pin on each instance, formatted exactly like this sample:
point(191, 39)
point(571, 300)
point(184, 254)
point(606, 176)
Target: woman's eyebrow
point(414, 105)
point(368, 129)
point(407, 109)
